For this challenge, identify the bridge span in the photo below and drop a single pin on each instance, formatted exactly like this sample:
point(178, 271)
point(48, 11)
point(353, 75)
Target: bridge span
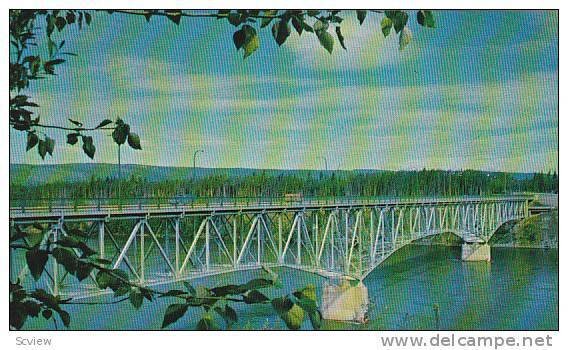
point(340, 239)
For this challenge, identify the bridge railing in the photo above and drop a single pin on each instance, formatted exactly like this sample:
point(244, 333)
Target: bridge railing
point(32, 206)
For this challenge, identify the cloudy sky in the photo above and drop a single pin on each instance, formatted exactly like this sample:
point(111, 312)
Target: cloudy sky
point(478, 92)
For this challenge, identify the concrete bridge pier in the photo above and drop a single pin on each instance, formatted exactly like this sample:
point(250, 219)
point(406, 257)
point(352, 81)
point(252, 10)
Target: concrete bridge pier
point(476, 251)
point(346, 301)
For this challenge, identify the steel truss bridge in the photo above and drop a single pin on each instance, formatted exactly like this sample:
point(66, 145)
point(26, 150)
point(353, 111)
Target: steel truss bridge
point(156, 246)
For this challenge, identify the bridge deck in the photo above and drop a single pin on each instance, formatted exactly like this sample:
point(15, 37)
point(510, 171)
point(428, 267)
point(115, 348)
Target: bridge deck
point(47, 214)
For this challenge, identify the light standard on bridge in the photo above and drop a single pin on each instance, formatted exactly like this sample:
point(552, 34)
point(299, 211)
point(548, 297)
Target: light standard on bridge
point(194, 159)
point(325, 162)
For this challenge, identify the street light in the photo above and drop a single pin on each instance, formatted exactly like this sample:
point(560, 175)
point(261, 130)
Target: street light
point(194, 158)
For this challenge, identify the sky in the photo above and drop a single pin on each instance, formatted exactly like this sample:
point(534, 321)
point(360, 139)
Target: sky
point(480, 91)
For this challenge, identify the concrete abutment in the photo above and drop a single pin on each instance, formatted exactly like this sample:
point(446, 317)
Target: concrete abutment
point(346, 301)
point(476, 251)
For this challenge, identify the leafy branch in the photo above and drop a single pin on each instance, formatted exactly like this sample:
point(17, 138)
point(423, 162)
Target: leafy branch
point(79, 260)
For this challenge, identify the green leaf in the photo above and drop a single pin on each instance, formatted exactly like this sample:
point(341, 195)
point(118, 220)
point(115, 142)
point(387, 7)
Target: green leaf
point(113, 279)
point(42, 149)
point(79, 124)
point(18, 315)
point(308, 292)
point(73, 138)
point(404, 38)
point(47, 313)
point(228, 314)
point(281, 31)
point(120, 291)
point(64, 315)
point(230, 289)
point(88, 146)
point(320, 26)
point(282, 304)
point(51, 46)
point(398, 18)
point(71, 242)
point(297, 23)
point(254, 297)
point(49, 145)
point(66, 258)
point(83, 270)
point(251, 46)
point(104, 279)
point(294, 317)
point(60, 23)
point(70, 17)
point(247, 39)
point(136, 298)
point(36, 259)
point(173, 313)
point(361, 14)
point(315, 319)
point(32, 141)
point(235, 18)
point(307, 301)
point(189, 288)
point(207, 323)
point(426, 18)
point(239, 38)
point(258, 283)
point(174, 16)
point(120, 132)
point(307, 27)
point(326, 40)
point(386, 25)
point(48, 299)
point(50, 25)
point(340, 37)
point(134, 141)
point(266, 21)
point(172, 293)
point(104, 123)
point(32, 308)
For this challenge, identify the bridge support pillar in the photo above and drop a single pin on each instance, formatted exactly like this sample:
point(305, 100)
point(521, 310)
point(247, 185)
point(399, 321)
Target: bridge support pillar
point(347, 301)
point(476, 252)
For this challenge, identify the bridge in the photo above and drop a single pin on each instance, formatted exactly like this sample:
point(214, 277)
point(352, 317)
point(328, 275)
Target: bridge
point(340, 238)
point(345, 239)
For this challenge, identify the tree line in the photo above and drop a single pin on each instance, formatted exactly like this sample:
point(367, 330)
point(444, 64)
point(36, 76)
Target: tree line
point(306, 183)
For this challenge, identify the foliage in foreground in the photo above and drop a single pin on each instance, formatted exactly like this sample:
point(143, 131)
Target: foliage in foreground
point(78, 260)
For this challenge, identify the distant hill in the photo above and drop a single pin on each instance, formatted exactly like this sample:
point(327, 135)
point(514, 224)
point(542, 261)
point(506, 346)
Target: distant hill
point(26, 174)
point(37, 174)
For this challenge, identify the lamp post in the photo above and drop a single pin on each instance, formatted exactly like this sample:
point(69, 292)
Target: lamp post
point(194, 159)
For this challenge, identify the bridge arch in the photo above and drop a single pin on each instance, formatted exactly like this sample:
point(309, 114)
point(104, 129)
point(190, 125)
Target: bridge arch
point(386, 257)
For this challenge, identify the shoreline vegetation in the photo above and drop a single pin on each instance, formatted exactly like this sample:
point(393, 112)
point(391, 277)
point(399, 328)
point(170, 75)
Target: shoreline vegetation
point(535, 232)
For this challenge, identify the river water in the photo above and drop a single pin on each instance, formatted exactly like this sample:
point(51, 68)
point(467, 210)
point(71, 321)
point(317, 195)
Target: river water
point(419, 287)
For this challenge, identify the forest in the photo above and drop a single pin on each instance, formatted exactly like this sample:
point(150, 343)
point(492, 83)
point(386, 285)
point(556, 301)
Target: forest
point(274, 184)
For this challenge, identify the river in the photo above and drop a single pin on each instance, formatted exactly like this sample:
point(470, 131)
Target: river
point(419, 287)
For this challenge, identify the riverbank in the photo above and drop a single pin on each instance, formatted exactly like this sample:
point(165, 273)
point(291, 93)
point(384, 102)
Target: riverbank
point(538, 231)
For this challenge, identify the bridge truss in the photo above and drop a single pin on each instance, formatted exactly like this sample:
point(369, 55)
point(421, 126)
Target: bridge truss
point(330, 240)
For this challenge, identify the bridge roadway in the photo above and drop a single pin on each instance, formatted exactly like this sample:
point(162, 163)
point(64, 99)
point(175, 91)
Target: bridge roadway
point(46, 214)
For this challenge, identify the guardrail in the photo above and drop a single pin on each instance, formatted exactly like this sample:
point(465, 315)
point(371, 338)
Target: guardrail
point(157, 204)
